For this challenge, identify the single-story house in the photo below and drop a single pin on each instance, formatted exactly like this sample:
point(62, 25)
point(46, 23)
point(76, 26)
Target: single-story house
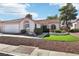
point(75, 24)
point(15, 26)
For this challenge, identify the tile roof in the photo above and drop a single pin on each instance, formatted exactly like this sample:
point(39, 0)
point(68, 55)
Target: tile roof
point(15, 20)
point(43, 22)
point(46, 21)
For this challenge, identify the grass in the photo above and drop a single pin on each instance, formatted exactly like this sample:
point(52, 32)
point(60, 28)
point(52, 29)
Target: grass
point(65, 38)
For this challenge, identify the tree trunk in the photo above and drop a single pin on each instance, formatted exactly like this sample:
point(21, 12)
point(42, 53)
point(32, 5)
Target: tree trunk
point(67, 27)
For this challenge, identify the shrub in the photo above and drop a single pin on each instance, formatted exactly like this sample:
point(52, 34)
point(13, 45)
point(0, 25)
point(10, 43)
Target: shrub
point(44, 28)
point(58, 31)
point(23, 31)
point(74, 30)
point(47, 35)
point(38, 31)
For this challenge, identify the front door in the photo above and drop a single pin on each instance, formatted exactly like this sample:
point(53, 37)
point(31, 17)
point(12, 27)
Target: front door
point(45, 29)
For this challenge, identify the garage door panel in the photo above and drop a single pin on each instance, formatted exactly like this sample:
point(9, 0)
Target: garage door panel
point(11, 28)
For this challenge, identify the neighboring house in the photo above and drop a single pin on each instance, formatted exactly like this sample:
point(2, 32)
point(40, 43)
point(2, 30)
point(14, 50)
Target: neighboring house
point(75, 24)
point(15, 26)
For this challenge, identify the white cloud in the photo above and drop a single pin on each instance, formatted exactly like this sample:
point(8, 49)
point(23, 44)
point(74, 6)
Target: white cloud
point(35, 15)
point(13, 9)
point(63, 4)
point(76, 5)
point(16, 9)
point(53, 4)
point(40, 18)
point(25, 1)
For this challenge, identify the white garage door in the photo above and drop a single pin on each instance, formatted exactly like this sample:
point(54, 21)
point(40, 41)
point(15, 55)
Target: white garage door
point(11, 28)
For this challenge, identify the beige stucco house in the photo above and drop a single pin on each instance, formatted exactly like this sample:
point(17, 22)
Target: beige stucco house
point(15, 26)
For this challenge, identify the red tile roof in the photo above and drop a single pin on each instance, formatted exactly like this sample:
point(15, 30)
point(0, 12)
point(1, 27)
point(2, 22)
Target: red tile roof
point(46, 22)
point(42, 22)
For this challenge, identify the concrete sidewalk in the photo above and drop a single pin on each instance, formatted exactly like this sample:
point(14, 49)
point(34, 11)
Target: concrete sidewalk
point(21, 36)
point(22, 50)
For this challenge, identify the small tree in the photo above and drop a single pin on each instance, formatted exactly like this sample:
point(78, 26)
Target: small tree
point(67, 13)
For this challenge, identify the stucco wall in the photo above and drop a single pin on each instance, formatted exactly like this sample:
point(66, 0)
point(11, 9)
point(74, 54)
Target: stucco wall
point(38, 25)
point(57, 25)
point(21, 25)
point(73, 25)
point(1, 27)
point(31, 26)
point(77, 25)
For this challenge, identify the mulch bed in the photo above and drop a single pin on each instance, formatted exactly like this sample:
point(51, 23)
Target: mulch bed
point(72, 47)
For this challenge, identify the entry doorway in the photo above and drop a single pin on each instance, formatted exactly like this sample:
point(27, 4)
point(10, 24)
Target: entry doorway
point(45, 29)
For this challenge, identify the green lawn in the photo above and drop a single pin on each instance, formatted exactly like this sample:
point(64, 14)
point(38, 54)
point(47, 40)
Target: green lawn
point(65, 38)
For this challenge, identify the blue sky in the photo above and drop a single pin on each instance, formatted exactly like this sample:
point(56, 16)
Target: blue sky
point(38, 10)
point(44, 10)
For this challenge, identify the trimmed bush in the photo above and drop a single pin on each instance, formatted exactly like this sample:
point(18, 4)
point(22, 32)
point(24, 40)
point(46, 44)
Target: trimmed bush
point(44, 28)
point(58, 31)
point(38, 31)
point(47, 35)
point(23, 31)
point(74, 30)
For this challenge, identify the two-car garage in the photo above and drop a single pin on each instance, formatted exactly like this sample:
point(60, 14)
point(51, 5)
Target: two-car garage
point(11, 28)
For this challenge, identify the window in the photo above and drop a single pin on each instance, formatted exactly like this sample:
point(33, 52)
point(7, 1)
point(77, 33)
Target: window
point(53, 27)
point(26, 26)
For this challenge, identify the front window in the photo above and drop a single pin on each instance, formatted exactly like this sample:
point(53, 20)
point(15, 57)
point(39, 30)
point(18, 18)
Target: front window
point(53, 27)
point(26, 26)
